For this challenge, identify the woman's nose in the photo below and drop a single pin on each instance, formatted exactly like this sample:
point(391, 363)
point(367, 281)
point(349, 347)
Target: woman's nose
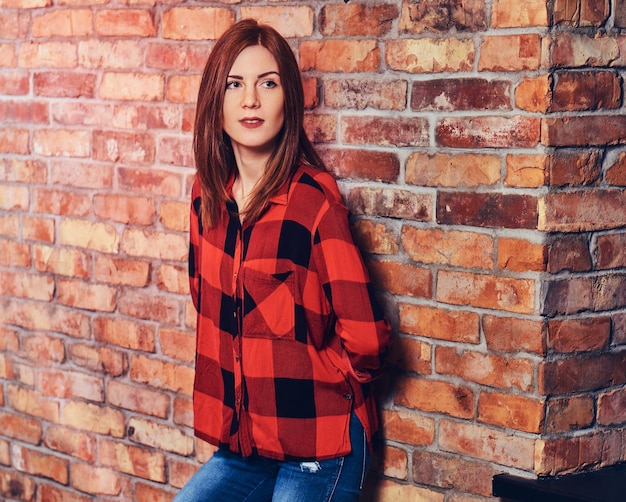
point(250, 97)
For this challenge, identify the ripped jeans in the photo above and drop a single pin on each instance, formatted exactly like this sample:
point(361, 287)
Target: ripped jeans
point(229, 477)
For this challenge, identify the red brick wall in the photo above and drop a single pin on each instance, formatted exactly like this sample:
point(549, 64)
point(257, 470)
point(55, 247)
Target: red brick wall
point(482, 148)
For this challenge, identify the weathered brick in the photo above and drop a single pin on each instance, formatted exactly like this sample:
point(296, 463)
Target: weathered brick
point(359, 94)
point(38, 229)
point(438, 323)
point(64, 85)
point(70, 442)
point(62, 202)
point(514, 412)
point(174, 215)
point(600, 209)
point(40, 464)
point(611, 407)
point(101, 359)
point(176, 56)
point(430, 55)
point(493, 370)
point(124, 209)
point(124, 333)
point(14, 23)
point(196, 23)
point(152, 434)
point(390, 202)
point(93, 418)
point(132, 86)
point(340, 55)
point(485, 291)
point(616, 172)
point(534, 94)
point(178, 344)
point(620, 13)
point(527, 171)
point(610, 251)
point(144, 401)
point(436, 396)
point(119, 54)
point(320, 128)
point(408, 427)
point(83, 295)
point(125, 23)
point(146, 305)
point(513, 14)
point(149, 180)
point(446, 471)
point(51, 54)
point(509, 334)
point(14, 141)
point(446, 170)
point(386, 490)
point(395, 463)
point(461, 94)
point(23, 170)
point(357, 20)
point(62, 143)
point(586, 90)
point(133, 460)
point(569, 413)
point(582, 373)
point(53, 493)
point(440, 15)
point(575, 168)
point(289, 21)
point(70, 384)
point(63, 23)
point(577, 50)
point(121, 271)
point(161, 245)
point(521, 255)
point(581, 12)
point(375, 238)
point(14, 83)
point(35, 112)
point(401, 279)
point(153, 493)
point(46, 317)
point(162, 375)
point(15, 484)
point(95, 480)
point(510, 53)
point(489, 132)
point(486, 443)
point(20, 427)
point(579, 335)
point(568, 252)
point(31, 403)
point(175, 151)
point(482, 209)
point(36, 287)
point(182, 88)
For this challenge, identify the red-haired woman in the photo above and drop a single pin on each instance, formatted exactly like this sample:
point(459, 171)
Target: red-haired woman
point(288, 331)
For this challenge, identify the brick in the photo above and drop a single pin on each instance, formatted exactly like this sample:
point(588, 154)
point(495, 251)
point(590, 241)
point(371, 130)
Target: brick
point(93, 418)
point(575, 168)
point(514, 412)
point(14, 141)
point(148, 306)
point(527, 171)
point(150, 180)
point(124, 209)
point(81, 113)
point(502, 372)
point(461, 94)
point(83, 295)
point(440, 15)
point(14, 484)
point(23, 170)
point(581, 13)
point(31, 403)
point(320, 128)
point(144, 401)
point(568, 252)
point(395, 463)
point(62, 261)
point(124, 147)
point(95, 480)
point(38, 229)
point(125, 23)
point(411, 355)
point(155, 435)
point(357, 20)
point(619, 329)
point(362, 164)
point(50, 493)
point(14, 84)
point(121, 271)
point(487, 209)
point(178, 344)
point(20, 427)
point(175, 56)
point(390, 202)
point(14, 24)
point(114, 54)
point(162, 375)
point(36, 287)
point(383, 131)
point(582, 373)
point(430, 55)
point(534, 94)
point(174, 215)
point(101, 359)
point(61, 202)
point(48, 54)
point(449, 247)
point(124, 333)
point(586, 90)
point(408, 427)
point(70, 442)
point(485, 291)
point(611, 407)
point(487, 444)
point(183, 411)
point(401, 279)
point(565, 414)
point(434, 396)
point(386, 490)
point(176, 151)
point(447, 170)
point(64, 85)
point(153, 493)
point(63, 23)
point(582, 211)
point(610, 251)
point(520, 255)
point(616, 172)
point(196, 23)
point(334, 55)
point(311, 94)
point(44, 317)
point(510, 53)
point(132, 87)
point(452, 472)
point(65, 143)
point(43, 349)
point(40, 464)
point(568, 297)
point(133, 460)
point(359, 94)
point(512, 14)
point(577, 50)
point(438, 323)
point(14, 198)
point(289, 21)
point(182, 88)
point(70, 384)
point(145, 117)
point(90, 235)
point(620, 14)
point(35, 112)
point(375, 238)
point(579, 335)
point(488, 132)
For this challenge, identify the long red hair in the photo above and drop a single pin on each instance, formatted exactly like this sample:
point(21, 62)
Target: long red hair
point(213, 153)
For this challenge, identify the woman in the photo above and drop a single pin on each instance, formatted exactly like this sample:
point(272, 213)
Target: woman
point(288, 332)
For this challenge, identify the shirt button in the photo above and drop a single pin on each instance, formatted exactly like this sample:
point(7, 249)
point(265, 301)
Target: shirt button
point(237, 358)
point(348, 396)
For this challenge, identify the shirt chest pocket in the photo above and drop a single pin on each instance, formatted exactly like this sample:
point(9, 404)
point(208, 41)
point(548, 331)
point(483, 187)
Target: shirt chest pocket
point(269, 304)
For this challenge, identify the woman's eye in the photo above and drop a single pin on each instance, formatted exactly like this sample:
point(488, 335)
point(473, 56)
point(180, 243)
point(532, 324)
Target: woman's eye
point(269, 84)
point(233, 84)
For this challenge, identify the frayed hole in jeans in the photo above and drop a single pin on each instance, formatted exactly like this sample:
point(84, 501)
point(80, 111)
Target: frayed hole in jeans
point(311, 467)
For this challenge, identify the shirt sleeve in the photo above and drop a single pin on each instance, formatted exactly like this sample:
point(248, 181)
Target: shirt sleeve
point(360, 322)
point(194, 245)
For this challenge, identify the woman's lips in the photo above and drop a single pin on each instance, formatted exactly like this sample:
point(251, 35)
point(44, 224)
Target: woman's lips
point(251, 122)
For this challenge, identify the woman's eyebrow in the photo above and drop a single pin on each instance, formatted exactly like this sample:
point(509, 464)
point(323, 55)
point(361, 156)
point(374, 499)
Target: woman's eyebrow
point(262, 75)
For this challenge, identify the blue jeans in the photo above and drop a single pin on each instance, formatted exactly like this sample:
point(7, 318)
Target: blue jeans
point(228, 477)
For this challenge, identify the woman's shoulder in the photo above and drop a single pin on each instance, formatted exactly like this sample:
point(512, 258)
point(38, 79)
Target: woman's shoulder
point(320, 180)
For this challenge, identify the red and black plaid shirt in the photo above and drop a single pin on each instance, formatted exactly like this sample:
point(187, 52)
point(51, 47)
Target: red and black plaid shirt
point(288, 330)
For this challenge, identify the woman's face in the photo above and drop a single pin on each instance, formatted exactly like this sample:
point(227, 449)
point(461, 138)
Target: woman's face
point(253, 113)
